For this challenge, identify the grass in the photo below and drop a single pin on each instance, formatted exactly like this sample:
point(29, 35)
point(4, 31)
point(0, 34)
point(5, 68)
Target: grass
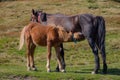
point(14, 15)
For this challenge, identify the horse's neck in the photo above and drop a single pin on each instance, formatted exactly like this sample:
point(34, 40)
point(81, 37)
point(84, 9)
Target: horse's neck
point(44, 23)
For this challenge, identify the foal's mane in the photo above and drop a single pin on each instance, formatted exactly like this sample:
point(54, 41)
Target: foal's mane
point(62, 33)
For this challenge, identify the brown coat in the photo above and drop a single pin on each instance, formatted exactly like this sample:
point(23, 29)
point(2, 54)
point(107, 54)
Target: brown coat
point(36, 34)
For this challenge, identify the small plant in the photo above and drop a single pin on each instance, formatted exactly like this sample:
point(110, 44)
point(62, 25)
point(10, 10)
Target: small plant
point(116, 0)
point(91, 1)
point(6, 0)
point(93, 6)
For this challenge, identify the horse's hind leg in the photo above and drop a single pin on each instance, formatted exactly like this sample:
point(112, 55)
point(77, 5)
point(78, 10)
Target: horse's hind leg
point(57, 49)
point(62, 58)
point(28, 53)
point(102, 50)
point(101, 46)
point(32, 48)
point(28, 60)
point(48, 56)
point(95, 51)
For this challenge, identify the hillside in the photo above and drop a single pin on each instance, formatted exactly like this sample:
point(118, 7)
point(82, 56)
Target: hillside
point(14, 15)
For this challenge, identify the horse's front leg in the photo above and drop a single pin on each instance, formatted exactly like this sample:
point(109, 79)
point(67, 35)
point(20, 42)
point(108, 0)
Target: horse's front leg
point(57, 49)
point(62, 58)
point(48, 56)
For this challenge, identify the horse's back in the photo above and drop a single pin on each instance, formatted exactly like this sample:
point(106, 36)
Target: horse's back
point(40, 34)
point(86, 22)
point(63, 21)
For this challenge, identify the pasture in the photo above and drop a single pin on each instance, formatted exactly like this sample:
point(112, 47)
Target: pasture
point(14, 15)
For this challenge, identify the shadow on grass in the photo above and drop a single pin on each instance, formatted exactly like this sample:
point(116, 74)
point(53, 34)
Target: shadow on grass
point(83, 71)
point(113, 71)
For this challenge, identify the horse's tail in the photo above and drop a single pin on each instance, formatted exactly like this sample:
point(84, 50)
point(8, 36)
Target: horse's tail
point(22, 37)
point(101, 30)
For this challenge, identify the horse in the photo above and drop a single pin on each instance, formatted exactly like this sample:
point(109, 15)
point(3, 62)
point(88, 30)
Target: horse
point(51, 36)
point(34, 18)
point(92, 27)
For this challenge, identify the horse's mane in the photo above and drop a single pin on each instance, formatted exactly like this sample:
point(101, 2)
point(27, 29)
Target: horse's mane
point(62, 33)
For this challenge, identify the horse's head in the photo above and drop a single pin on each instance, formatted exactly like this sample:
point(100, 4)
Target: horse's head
point(78, 36)
point(66, 36)
point(38, 16)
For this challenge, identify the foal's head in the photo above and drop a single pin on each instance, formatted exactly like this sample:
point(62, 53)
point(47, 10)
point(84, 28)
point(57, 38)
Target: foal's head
point(64, 35)
point(38, 16)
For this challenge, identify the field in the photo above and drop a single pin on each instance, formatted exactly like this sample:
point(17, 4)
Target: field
point(14, 15)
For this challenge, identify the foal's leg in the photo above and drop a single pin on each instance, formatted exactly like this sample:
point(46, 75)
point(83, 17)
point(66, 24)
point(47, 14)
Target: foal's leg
point(95, 51)
point(28, 53)
point(48, 56)
point(57, 49)
point(28, 60)
point(32, 57)
point(62, 58)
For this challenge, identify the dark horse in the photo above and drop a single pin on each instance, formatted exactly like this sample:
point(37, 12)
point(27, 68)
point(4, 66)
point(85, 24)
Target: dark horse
point(92, 27)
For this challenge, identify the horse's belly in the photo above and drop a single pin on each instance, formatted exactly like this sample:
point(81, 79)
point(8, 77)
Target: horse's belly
point(41, 42)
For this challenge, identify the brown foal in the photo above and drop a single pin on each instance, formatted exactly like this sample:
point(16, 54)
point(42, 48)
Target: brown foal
point(36, 34)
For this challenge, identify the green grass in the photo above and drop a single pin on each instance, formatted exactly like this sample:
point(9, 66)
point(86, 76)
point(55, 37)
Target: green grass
point(14, 15)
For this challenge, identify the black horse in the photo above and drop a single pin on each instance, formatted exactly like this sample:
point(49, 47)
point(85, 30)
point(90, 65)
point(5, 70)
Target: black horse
point(92, 27)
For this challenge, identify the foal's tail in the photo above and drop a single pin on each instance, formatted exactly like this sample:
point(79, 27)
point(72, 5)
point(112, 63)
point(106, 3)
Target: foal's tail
point(100, 25)
point(22, 37)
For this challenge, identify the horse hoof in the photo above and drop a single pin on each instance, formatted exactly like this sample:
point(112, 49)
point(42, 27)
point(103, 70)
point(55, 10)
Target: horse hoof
point(28, 69)
point(34, 69)
point(104, 72)
point(93, 72)
point(48, 71)
point(63, 70)
point(57, 70)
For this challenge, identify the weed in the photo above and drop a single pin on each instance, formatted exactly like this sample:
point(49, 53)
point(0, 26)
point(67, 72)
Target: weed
point(93, 6)
point(91, 1)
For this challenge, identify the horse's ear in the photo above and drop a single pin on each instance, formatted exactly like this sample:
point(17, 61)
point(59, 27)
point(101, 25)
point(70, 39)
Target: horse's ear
point(33, 11)
point(44, 17)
